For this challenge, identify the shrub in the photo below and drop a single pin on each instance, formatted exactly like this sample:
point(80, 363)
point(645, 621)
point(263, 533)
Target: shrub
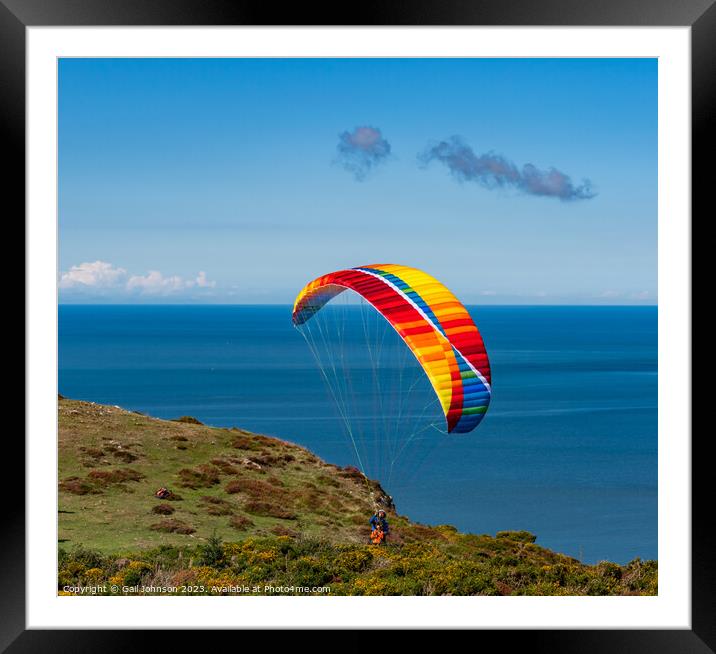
point(173, 526)
point(351, 472)
point(248, 441)
point(307, 571)
point(240, 522)
point(259, 490)
point(92, 452)
point(216, 506)
point(641, 577)
point(233, 487)
point(203, 476)
point(163, 509)
point(325, 480)
point(280, 530)
point(243, 443)
point(125, 456)
point(437, 566)
point(519, 536)
point(188, 419)
point(133, 573)
point(93, 576)
point(225, 466)
point(116, 476)
point(353, 560)
point(165, 556)
point(371, 585)
point(266, 459)
point(422, 532)
point(268, 509)
point(212, 554)
point(89, 558)
point(78, 486)
point(609, 570)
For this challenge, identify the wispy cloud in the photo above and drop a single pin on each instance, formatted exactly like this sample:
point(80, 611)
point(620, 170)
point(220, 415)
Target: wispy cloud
point(102, 278)
point(362, 150)
point(492, 171)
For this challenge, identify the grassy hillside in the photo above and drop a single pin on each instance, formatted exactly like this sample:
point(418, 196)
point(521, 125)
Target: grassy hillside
point(248, 511)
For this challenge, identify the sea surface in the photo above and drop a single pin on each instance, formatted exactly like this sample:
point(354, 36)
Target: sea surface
point(567, 450)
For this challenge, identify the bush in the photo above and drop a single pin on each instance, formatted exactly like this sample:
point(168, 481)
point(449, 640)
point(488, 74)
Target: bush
point(457, 565)
point(92, 452)
point(116, 476)
point(203, 476)
point(353, 560)
point(216, 506)
point(163, 509)
point(269, 509)
point(240, 522)
point(191, 420)
point(519, 536)
point(212, 554)
point(259, 490)
point(280, 530)
point(78, 486)
point(133, 573)
point(351, 472)
point(245, 443)
point(609, 570)
point(87, 557)
point(233, 487)
point(125, 456)
point(225, 466)
point(173, 526)
point(306, 571)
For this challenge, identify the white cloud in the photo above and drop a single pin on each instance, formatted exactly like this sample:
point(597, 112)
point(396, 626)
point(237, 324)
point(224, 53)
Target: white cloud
point(97, 274)
point(201, 281)
point(101, 276)
point(155, 283)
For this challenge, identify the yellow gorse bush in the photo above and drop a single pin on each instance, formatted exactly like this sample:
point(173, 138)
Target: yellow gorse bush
point(94, 575)
point(455, 564)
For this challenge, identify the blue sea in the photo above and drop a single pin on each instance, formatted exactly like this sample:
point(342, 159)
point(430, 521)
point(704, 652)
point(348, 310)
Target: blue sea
point(567, 450)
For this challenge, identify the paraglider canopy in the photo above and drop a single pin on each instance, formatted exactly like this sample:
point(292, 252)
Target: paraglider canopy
point(432, 322)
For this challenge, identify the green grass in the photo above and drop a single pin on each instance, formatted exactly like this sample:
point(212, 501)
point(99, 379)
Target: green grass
point(112, 461)
point(256, 510)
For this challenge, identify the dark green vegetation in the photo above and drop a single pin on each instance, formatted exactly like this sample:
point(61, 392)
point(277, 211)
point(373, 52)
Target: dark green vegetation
point(247, 511)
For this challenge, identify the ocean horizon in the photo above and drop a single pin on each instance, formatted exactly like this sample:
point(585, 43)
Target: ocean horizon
point(567, 450)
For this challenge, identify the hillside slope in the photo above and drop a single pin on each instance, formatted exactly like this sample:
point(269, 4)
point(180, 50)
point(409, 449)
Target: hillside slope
point(248, 512)
point(227, 481)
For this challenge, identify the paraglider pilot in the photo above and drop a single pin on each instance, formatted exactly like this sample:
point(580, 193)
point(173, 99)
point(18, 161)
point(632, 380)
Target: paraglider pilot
point(379, 528)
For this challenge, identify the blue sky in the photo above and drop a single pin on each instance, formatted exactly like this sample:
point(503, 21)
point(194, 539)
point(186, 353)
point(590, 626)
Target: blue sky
point(239, 180)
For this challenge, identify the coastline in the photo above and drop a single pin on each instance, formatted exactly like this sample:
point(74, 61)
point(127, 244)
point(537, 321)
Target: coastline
point(258, 515)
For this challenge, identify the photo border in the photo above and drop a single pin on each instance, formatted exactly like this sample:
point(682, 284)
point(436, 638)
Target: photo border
point(701, 16)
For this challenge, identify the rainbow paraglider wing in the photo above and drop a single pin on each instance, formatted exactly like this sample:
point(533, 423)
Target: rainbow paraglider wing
point(433, 323)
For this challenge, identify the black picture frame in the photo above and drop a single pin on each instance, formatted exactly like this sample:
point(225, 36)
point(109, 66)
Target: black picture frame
point(700, 15)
